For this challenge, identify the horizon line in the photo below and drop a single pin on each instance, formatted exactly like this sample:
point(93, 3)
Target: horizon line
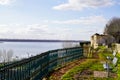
point(40, 40)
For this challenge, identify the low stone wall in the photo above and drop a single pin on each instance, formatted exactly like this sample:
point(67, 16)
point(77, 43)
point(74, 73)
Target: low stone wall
point(86, 50)
point(100, 74)
point(118, 47)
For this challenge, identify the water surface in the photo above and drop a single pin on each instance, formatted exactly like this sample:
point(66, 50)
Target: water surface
point(25, 49)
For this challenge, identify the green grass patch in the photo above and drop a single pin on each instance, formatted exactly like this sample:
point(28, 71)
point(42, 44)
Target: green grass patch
point(1, 64)
point(86, 64)
point(118, 65)
point(118, 71)
point(103, 56)
point(92, 64)
point(97, 66)
point(102, 47)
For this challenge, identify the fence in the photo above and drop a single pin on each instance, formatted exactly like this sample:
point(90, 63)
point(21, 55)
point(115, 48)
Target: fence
point(38, 67)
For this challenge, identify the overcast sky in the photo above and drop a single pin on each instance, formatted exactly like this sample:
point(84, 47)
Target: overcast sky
point(55, 19)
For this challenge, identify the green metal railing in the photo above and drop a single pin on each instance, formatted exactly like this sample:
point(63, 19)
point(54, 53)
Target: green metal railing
point(38, 67)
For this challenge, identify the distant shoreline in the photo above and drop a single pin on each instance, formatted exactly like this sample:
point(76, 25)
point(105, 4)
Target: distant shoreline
point(35, 40)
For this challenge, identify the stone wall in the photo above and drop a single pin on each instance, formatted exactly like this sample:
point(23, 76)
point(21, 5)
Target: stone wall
point(100, 74)
point(118, 47)
point(86, 50)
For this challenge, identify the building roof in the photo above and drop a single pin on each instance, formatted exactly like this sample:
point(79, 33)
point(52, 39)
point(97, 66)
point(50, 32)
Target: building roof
point(96, 34)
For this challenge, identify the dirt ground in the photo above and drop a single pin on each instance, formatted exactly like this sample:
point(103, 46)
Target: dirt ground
point(84, 75)
point(56, 75)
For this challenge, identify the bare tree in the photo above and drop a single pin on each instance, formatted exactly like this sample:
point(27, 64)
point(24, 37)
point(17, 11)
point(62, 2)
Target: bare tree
point(113, 28)
point(6, 56)
point(67, 44)
point(0, 56)
point(9, 55)
point(70, 44)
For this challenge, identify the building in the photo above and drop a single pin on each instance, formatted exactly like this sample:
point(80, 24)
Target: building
point(101, 39)
point(118, 47)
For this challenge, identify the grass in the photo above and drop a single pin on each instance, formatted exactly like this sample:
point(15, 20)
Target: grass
point(118, 66)
point(94, 65)
point(103, 55)
point(1, 64)
point(115, 69)
point(52, 77)
point(69, 75)
point(91, 64)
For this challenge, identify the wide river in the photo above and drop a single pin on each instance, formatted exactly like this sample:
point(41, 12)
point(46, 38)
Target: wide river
point(27, 49)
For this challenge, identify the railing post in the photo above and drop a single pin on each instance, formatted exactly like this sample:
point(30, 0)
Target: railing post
point(108, 69)
point(29, 67)
point(4, 71)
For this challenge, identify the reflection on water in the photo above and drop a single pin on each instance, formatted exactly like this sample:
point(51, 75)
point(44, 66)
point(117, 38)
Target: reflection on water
point(27, 49)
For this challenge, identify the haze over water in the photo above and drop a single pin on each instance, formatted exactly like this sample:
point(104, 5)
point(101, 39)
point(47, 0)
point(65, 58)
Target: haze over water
point(25, 49)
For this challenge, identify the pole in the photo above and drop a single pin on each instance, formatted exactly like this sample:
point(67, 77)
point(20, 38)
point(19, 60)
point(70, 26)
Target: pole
point(108, 69)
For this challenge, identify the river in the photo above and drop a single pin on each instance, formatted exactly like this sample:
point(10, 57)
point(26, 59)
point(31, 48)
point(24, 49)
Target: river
point(27, 49)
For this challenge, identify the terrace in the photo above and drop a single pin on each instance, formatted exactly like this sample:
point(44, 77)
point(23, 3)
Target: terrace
point(90, 67)
point(64, 64)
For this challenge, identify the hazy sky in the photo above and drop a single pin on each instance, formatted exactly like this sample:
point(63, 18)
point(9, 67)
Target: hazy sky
point(55, 19)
